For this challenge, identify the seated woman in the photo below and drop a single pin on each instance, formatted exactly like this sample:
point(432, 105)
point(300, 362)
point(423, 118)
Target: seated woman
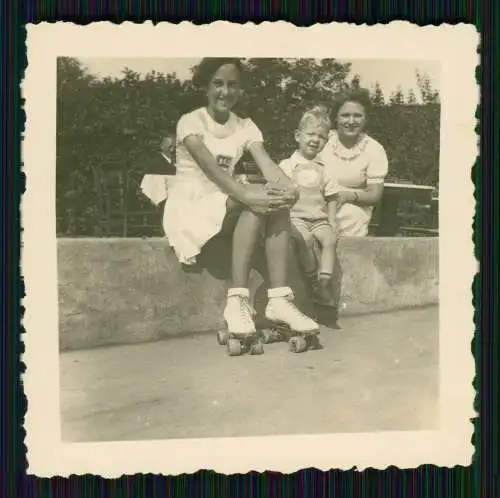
point(206, 202)
point(359, 164)
point(357, 161)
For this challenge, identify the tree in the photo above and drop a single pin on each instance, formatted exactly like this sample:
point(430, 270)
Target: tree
point(280, 90)
point(356, 81)
point(411, 99)
point(397, 97)
point(117, 122)
point(429, 94)
point(73, 98)
point(377, 96)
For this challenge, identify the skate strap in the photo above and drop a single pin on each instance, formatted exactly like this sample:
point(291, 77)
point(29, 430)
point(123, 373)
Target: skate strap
point(238, 291)
point(280, 292)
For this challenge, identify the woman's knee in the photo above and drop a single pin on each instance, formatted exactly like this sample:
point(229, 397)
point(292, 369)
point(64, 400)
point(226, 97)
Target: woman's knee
point(250, 218)
point(352, 221)
point(278, 222)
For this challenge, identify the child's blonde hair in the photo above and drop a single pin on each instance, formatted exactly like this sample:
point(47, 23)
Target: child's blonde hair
point(318, 115)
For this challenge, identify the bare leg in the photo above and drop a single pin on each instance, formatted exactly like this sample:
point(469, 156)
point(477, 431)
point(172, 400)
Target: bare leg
point(305, 249)
point(276, 246)
point(246, 226)
point(245, 236)
point(280, 308)
point(328, 242)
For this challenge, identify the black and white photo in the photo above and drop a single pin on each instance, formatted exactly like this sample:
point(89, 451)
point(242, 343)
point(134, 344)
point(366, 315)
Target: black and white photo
point(263, 248)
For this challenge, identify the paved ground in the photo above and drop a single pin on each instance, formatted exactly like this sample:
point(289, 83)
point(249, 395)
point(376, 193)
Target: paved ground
point(379, 373)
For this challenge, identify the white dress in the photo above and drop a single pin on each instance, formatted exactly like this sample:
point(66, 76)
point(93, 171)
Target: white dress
point(196, 207)
point(355, 168)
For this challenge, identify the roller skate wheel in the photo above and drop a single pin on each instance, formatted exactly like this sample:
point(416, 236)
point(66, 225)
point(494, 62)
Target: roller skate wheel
point(222, 337)
point(297, 344)
point(313, 342)
point(267, 336)
point(278, 334)
point(257, 348)
point(233, 347)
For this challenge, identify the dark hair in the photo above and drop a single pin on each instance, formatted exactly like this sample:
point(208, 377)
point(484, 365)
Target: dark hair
point(359, 95)
point(210, 65)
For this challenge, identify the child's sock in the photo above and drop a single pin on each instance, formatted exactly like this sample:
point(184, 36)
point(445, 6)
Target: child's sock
point(324, 276)
point(324, 287)
point(311, 276)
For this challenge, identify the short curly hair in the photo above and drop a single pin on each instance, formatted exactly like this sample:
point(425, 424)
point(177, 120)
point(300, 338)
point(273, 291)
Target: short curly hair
point(210, 65)
point(359, 95)
point(317, 115)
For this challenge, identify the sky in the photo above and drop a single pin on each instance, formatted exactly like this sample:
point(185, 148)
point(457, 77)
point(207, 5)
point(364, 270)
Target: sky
point(389, 73)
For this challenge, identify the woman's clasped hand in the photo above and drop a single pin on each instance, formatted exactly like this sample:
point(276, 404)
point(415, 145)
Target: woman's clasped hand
point(269, 198)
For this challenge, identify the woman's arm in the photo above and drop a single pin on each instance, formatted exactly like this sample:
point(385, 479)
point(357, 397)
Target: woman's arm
point(376, 172)
point(256, 199)
point(271, 171)
point(207, 163)
point(369, 196)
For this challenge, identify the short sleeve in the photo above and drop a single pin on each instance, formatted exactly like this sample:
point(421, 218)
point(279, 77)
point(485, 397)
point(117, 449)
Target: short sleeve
point(332, 186)
point(379, 164)
point(252, 133)
point(285, 166)
point(189, 124)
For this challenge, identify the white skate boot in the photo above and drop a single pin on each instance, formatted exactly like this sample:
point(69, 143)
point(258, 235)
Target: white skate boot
point(241, 335)
point(301, 330)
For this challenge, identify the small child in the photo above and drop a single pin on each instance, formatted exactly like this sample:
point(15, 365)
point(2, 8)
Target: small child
point(313, 216)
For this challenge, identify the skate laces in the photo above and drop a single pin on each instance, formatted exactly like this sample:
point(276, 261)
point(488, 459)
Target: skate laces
point(245, 309)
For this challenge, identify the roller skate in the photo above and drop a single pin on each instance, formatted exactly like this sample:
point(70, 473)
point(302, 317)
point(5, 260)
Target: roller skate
point(299, 330)
point(240, 336)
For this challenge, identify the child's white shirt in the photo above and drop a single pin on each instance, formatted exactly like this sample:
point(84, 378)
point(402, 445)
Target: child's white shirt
point(315, 185)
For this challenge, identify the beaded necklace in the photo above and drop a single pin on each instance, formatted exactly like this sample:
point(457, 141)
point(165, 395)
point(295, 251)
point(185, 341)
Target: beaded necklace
point(345, 153)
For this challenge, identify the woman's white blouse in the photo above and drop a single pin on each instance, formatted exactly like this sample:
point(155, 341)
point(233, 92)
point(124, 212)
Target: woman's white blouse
point(364, 164)
point(196, 206)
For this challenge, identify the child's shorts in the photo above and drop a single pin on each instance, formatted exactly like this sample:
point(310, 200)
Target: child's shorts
point(307, 228)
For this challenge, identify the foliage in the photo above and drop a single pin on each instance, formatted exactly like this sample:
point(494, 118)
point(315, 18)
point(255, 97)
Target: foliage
point(429, 94)
point(410, 135)
point(116, 123)
point(397, 98)
point(377, 96)
point(411, 99)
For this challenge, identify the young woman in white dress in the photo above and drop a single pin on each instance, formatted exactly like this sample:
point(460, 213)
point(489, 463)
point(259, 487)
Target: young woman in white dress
point(207, 200)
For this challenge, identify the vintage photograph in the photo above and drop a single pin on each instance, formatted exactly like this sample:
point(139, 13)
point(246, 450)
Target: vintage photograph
point(256, 251)
point(247, 247)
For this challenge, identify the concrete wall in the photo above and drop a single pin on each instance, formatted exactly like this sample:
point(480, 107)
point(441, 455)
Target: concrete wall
point(133, 290)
